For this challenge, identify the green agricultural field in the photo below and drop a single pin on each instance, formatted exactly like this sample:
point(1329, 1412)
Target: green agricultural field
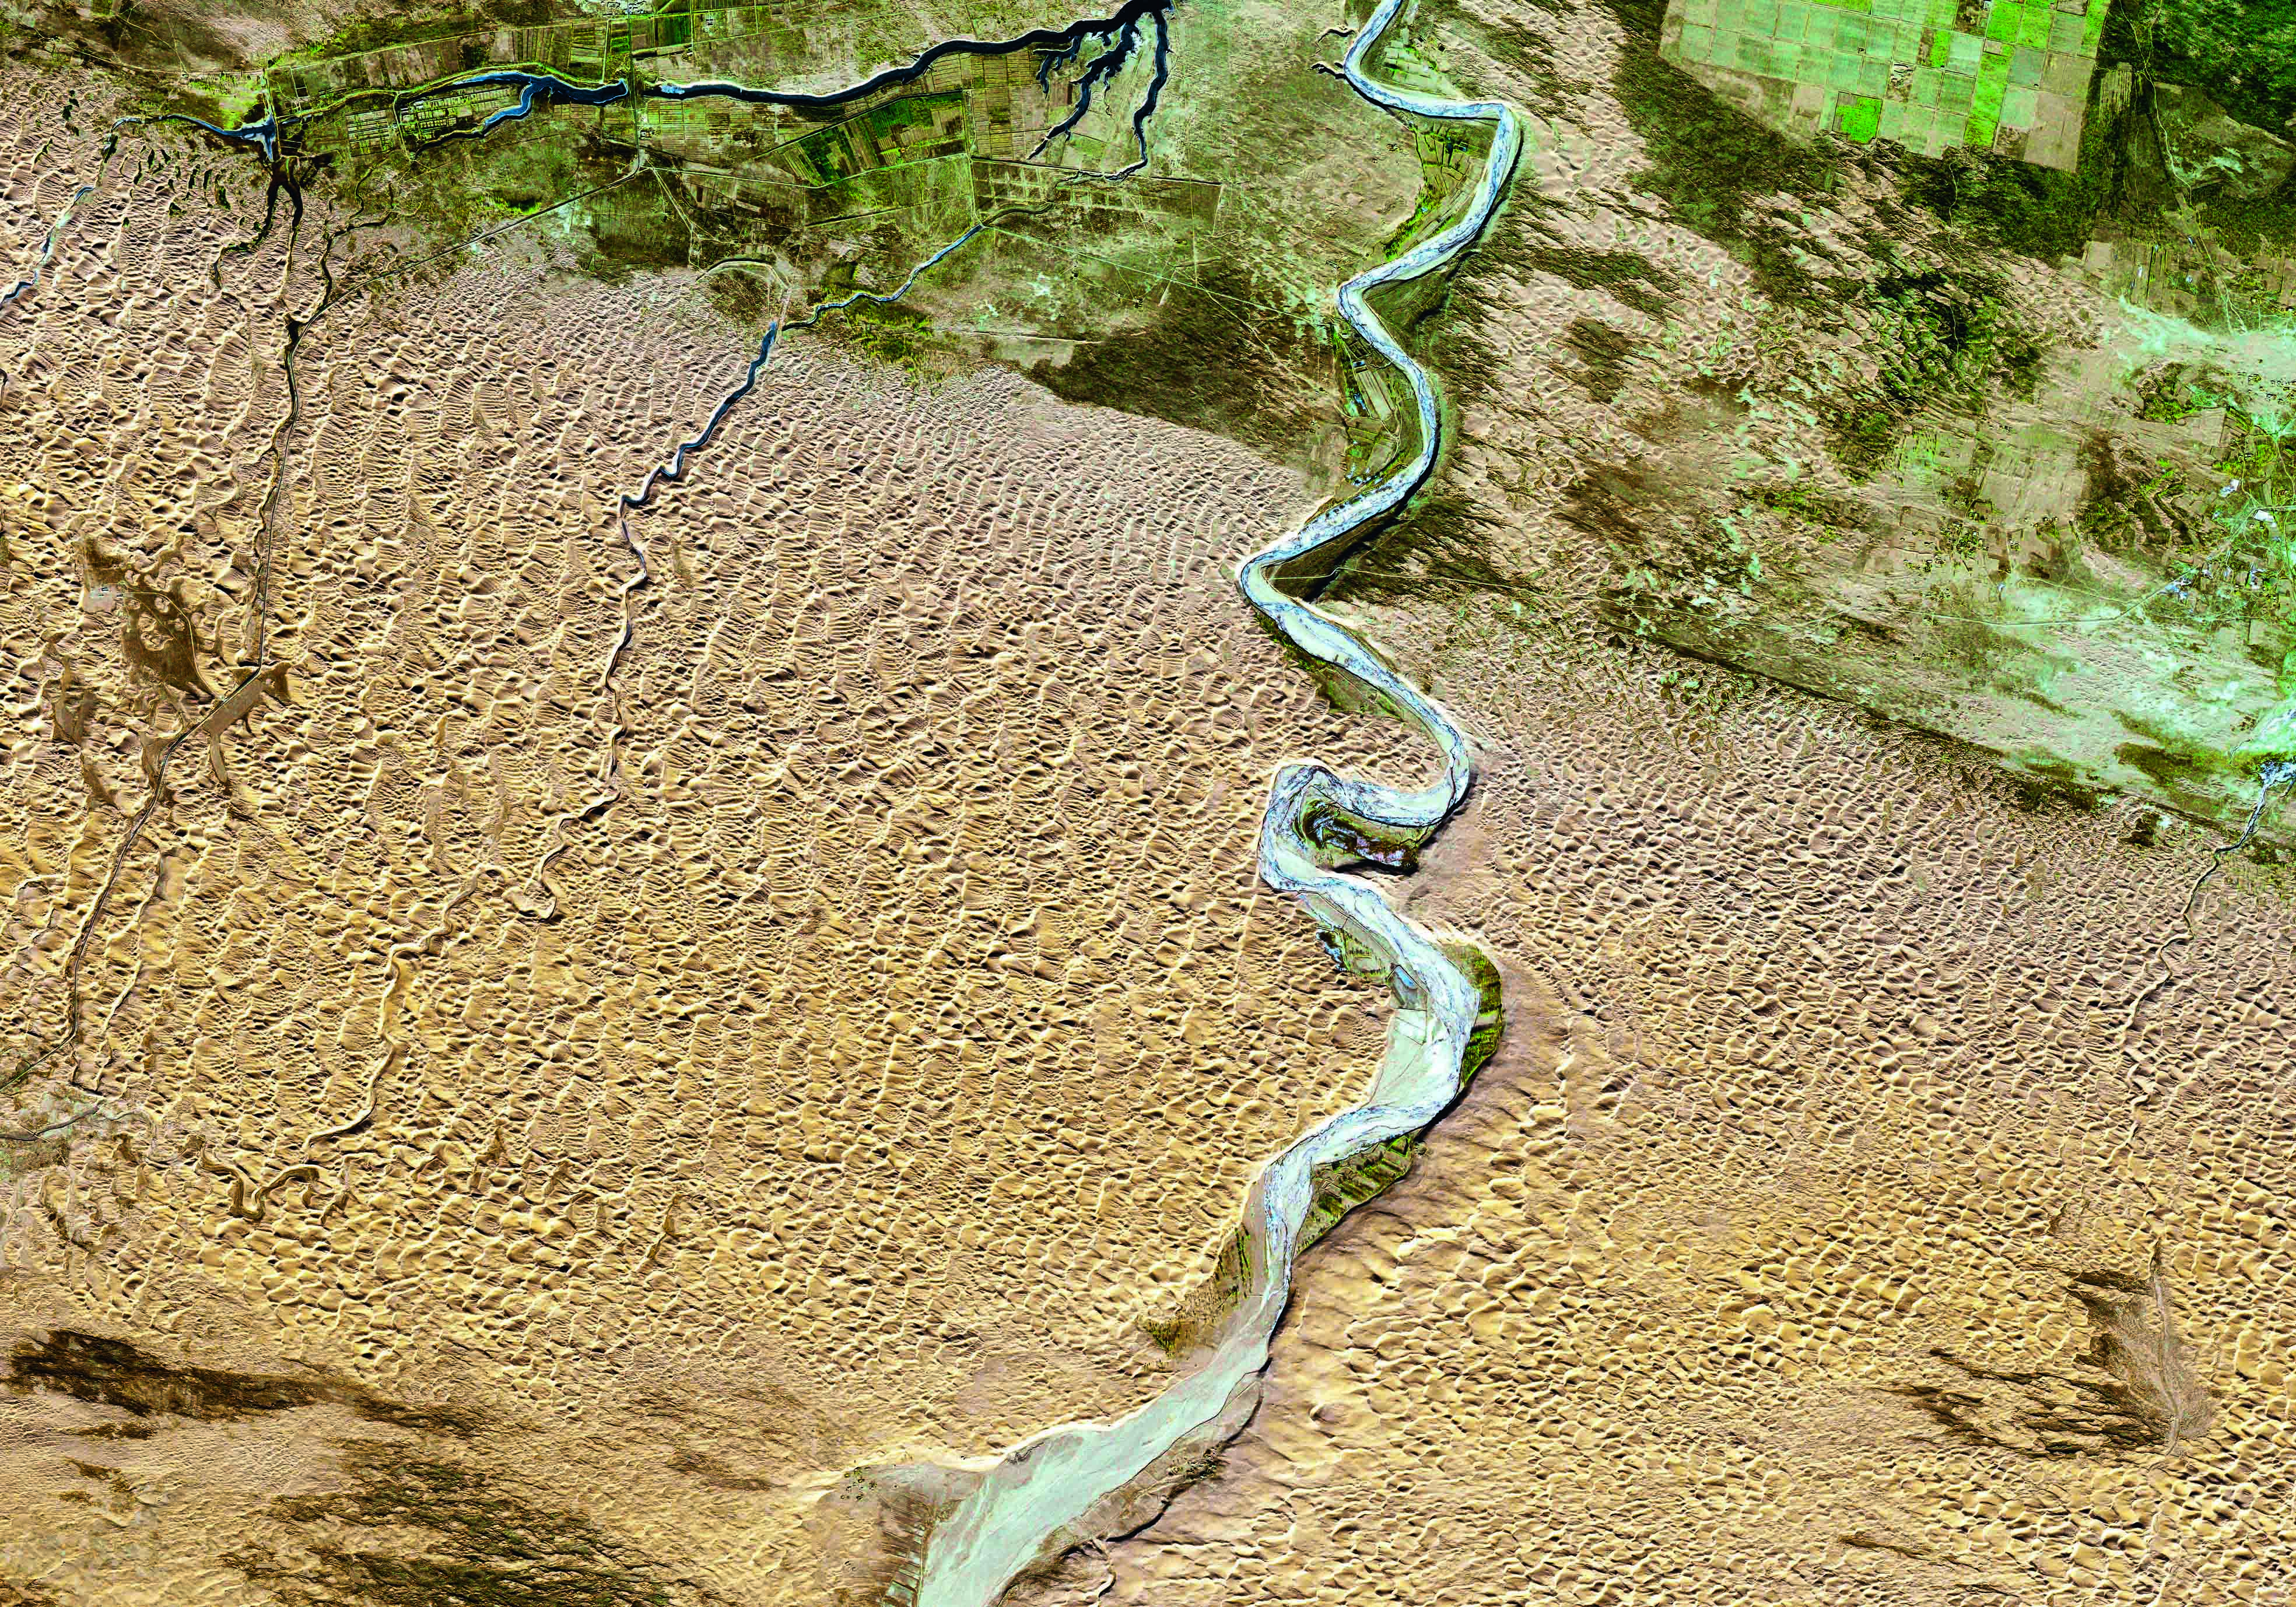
point(1932, 75)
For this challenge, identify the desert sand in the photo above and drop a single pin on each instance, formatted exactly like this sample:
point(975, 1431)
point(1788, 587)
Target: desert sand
point(613, 1110)
point(1800, 1245)
point(826, 1042)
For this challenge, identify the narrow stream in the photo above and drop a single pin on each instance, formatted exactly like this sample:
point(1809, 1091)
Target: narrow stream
point(48, 247)
point(672, 471)
point(1034, 1499)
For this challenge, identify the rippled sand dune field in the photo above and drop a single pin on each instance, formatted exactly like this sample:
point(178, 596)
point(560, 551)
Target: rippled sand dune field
point(533, 1129)
point(827, 1042)
point(1799, 1247)
point(1881, 1193)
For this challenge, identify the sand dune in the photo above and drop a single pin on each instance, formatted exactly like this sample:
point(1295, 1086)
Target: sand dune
point(827, 1042)
point(1800, 1244)
point(511, 1100)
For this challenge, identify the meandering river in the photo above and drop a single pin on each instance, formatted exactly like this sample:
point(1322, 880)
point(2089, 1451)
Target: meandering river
point(1040, 1491)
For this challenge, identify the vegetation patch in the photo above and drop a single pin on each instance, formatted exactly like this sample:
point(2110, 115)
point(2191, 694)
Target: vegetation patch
point(1215, 355)
point(1602, 353)
point(1712, 164)
point(1522, 49)
point(2242, 52)
point(1633, 281)
point(1441, 539)
point(888, 331)
point(418, 25)
point(414, 1532)
point(113, 1373)
point(1939, 342)
point(1194, 1324)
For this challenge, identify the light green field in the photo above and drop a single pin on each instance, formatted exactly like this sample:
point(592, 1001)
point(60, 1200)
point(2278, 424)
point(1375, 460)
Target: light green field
point(1930, 75)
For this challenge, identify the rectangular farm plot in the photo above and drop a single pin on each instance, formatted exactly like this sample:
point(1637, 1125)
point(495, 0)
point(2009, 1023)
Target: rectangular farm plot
point(2007, 76)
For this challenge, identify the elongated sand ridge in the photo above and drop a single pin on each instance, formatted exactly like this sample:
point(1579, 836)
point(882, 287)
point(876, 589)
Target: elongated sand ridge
point(1050, 1482)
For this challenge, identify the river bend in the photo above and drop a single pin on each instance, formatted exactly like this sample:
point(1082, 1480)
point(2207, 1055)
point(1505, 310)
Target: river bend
point(1041, 1494)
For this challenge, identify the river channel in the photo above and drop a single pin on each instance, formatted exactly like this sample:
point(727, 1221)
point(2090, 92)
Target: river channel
point(1044, 1490)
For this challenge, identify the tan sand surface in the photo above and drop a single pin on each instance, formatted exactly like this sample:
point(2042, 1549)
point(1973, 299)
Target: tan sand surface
point(1799, 1247)
point(826, 1043)
point(829, 1041)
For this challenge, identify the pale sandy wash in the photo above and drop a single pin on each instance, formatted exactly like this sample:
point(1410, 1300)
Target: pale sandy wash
point(826, 1046)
